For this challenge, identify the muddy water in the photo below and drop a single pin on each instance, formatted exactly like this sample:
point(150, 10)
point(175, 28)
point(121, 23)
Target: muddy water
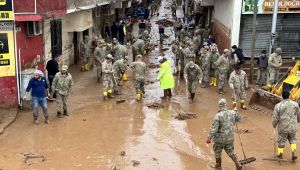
point(98, 131)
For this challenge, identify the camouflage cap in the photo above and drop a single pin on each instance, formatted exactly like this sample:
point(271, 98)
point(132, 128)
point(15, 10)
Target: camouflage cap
point(222, 101)
point(225, 51)
point(109, 56)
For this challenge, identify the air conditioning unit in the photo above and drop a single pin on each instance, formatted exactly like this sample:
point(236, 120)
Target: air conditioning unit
point(34, 28)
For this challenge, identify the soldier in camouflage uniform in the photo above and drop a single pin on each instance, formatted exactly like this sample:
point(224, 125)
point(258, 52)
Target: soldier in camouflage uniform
point(274, 64)
point(238, 82)
point(62, 85)
point(139, 69)
point(107, 77)
point(153, 7)
point(138, 48)
point(206, 67)
point(118, 51)
point(174, 8)
point(187, 54)
point(193, 75)
point(85, 49)
point(183, 33)
point(120, 67)
point(286, 117)
point(176, 52)
point(223, 66)
point(99, 53)
point(222, 134)
point(214, 55)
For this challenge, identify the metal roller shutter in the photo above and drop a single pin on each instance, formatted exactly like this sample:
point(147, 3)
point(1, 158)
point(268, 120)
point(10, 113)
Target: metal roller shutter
point(288, 33)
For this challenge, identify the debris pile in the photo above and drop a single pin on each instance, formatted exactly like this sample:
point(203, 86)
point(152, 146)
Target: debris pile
point(185, 116)
point(155, 105)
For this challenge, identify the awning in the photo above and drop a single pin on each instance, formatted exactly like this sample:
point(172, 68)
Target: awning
point(28, 18)
point(78, 21)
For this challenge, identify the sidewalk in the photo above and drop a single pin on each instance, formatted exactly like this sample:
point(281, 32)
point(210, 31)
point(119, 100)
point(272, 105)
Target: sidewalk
point(7, 117)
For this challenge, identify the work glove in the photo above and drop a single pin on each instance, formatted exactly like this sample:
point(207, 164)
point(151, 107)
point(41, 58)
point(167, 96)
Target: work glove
point(231, 86)
point(208, 141)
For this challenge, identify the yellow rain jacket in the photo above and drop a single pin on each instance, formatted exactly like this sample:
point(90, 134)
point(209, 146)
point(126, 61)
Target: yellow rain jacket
point(165, 76)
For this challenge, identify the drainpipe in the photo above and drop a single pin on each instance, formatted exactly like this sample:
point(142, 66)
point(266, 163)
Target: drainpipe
point(273, 30)
point(253, 42)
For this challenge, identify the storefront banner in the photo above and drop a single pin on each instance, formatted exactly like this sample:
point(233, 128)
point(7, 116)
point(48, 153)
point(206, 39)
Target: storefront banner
point(7, 50)
point(6, 10)
point(266, 6)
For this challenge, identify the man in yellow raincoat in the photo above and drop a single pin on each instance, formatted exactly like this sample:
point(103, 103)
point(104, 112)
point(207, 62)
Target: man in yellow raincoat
point(165, 77)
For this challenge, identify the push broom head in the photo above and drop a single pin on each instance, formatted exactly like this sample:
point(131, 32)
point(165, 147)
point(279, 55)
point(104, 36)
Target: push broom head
point(247, 160)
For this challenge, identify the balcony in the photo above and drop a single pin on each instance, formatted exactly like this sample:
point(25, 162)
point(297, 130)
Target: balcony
point(30, 9)
point(78, 5)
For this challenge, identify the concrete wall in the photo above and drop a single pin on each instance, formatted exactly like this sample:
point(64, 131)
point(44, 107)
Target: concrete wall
point(226, 22)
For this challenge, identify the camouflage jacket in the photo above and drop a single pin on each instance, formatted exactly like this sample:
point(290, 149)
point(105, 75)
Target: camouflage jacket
point(286, 116)
point(120, 52)
point(139, 45)
point(206, 61)
point(85, 50)
point(119, 67)
point(107, 71)
point(223, 64)
point(213, 60)
point(139, 69)
point(222, 127)
point(62, 83)
point(100, 54)
point(176, 51)
point(274, 61)
point(187, 55)
point(239, 81)
point(193, 74)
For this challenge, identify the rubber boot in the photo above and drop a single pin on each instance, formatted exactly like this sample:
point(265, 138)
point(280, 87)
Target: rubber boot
point(221, 91)
point(66, 113)
point(215, 82)
point(236, 161)
point(212, 81)
point(86, 67)
point(293, 148)
point(218, 164)
point(234, 106)
point(59, 115)
point(105, 95)
point(138, 96)
point(125, 78)
point(243, 105)
point(280, 153)
point(82, 68)
point(165, 95)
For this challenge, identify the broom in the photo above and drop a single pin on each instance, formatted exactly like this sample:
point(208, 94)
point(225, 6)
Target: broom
point(245, 160)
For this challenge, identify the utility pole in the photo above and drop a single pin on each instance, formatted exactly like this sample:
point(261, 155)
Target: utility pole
point(273, 30)
point(253, 42)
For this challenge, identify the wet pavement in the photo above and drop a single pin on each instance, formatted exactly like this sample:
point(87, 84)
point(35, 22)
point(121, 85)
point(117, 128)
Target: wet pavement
point(109, 135)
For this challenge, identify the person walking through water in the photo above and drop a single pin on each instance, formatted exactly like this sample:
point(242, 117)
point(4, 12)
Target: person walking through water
point(165, 77)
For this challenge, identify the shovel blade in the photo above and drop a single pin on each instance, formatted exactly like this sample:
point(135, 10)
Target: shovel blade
point(247, 160)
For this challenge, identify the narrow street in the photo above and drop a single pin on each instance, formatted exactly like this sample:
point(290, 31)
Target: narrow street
point(115, 136)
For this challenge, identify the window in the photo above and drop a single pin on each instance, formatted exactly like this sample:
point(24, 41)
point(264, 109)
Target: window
point(34, 28)
point(56, 37)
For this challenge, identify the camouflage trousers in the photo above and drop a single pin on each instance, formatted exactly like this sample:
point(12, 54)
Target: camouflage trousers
point(261, 77)
point(61, 102)
point(85, 60)
point(99, 71)
point(117, 79)
point(192, 86)
point(239, 94)
point(273, 76)
point(139, 86)
point(135, 52)
point(283, 137)
point(108, 85)
point(213, 72)
point(222, 79)
point(228, 147)
point(206, 75)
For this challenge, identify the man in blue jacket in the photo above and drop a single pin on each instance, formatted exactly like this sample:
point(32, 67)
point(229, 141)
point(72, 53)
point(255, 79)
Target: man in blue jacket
point(38, 86)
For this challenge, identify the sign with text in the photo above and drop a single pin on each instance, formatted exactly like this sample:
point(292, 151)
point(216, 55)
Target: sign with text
point(266, 6)
point(7, 50)
point(6, 10)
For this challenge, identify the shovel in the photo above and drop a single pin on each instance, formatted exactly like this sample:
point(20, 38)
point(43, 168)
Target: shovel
point(245, 160)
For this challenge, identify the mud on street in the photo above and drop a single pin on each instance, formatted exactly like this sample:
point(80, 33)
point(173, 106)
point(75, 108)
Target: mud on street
point(133, 135)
